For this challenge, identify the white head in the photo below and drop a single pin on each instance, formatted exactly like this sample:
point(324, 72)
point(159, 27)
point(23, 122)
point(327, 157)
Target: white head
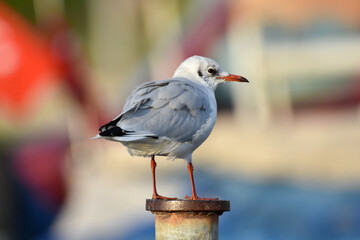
point(205, 71)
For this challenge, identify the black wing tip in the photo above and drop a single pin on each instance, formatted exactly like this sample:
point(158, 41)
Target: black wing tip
point(112, 132)
point(110, 124)
point(110, 129)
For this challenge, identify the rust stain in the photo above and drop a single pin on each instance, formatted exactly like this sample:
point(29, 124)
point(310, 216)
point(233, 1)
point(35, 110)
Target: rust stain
point(180, 219)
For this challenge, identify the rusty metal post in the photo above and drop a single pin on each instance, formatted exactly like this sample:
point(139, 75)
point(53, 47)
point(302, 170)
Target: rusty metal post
point(187, 219)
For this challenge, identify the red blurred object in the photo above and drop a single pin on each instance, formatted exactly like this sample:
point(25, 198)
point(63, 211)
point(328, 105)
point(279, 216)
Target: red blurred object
point(26, 64)
point(32, 61)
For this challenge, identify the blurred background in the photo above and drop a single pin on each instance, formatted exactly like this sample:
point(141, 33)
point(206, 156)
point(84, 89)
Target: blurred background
point(285, 149)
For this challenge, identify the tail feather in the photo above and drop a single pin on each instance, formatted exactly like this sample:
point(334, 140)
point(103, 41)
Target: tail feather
point(96, 137)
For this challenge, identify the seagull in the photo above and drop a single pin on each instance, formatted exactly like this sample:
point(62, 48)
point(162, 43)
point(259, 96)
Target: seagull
point(171, 117)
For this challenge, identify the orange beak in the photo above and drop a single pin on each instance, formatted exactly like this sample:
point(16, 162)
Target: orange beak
point(234, 78)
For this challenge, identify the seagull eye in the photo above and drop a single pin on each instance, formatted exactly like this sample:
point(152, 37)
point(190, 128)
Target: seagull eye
point(211, 70)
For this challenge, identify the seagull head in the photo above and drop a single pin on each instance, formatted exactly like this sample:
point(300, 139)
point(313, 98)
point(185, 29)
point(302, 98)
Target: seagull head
point(205, 71)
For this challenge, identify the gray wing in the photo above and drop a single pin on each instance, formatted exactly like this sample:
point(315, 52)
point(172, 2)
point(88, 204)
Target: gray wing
point(170, 108)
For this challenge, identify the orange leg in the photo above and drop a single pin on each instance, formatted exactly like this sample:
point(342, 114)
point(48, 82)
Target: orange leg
point(155, 194)
point(194, 195)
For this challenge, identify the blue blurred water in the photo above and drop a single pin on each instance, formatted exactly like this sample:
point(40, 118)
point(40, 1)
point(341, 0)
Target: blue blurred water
point(262, 210)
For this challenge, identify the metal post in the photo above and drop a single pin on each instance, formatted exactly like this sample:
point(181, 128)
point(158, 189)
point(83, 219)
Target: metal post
point(186, 219)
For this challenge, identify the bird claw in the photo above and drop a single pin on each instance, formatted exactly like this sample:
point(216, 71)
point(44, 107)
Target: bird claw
point(162, 197)
point(198, 198)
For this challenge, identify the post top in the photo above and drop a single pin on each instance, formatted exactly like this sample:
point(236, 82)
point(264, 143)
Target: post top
point(179, 205)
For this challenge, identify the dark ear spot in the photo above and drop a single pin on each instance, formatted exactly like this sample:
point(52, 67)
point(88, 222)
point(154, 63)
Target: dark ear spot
point(200, 74)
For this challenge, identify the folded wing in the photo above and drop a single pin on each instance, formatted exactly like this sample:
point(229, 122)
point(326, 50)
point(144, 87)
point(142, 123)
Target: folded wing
point(170, 109)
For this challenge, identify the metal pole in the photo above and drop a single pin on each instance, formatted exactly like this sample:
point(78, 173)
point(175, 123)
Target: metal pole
point(187, 219)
